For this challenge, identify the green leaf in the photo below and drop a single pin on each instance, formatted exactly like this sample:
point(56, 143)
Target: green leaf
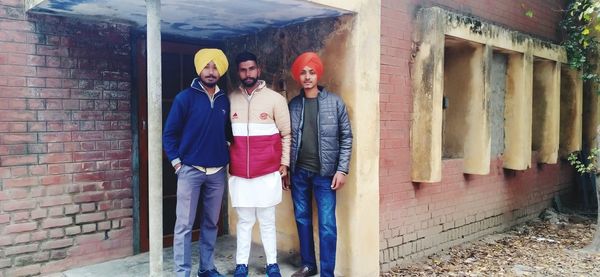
point(585, 32)
point(529, 13)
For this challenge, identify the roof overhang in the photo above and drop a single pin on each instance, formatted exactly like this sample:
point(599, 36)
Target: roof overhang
point(198, 19)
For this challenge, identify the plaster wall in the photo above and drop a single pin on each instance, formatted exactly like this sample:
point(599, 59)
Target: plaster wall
point(546, 110)
point(496, 112)
point(571, 108)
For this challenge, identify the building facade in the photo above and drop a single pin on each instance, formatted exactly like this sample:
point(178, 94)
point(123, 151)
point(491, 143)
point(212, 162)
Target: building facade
point(457, 110)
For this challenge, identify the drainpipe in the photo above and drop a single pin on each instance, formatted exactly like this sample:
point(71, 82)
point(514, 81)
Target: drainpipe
point(154, 137)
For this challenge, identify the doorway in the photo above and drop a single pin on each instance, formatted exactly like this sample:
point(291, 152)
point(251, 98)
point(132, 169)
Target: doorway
point(178, 71)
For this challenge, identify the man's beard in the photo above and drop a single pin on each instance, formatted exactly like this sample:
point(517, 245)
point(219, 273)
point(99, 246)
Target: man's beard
point(209, 84)
point(249, 85)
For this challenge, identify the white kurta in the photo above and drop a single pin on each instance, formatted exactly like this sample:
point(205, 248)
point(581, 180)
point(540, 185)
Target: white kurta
point(260, 192)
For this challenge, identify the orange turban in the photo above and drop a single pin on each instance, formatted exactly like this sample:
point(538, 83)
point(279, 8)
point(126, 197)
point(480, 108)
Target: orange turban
point(310, 59)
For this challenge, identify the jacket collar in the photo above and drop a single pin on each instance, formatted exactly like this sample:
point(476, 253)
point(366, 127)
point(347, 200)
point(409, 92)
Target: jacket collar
point(198, 86)
point(322, 92)
point(261, 84)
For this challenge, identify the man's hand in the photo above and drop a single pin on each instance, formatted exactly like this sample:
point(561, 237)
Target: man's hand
point(285, 180)
point(177, 167)
point(339, 180)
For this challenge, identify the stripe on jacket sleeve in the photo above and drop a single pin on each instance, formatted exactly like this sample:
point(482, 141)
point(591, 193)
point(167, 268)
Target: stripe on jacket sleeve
point(256, 129)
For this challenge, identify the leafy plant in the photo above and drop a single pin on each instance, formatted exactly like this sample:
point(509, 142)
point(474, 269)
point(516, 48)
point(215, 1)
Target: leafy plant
point(586, 166)
point(579, 25)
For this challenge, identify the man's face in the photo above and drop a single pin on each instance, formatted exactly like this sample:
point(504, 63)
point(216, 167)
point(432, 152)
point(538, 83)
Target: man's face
point(308, 77)
point(209, 75)
point(249, 73)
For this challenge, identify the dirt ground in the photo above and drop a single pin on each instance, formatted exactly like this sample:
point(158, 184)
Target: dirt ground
point(550, 246)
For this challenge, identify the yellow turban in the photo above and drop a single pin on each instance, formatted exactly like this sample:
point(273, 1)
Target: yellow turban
point(204, 56)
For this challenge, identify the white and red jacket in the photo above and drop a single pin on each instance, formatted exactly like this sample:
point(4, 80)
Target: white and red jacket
point(261, 132)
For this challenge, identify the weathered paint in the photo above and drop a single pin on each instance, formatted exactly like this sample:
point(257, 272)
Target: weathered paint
point(466, 133)
point(518, 112)
point(571, 106)
point(433, 25)
point(199, 19)
point(546, 110)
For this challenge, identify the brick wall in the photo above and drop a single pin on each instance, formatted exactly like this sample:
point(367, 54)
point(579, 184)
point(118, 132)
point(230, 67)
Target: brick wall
point(419, 219)
point(65, 142)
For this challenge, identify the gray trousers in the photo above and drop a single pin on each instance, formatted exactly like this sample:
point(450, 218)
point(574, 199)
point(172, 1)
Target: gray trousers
point(191, 184)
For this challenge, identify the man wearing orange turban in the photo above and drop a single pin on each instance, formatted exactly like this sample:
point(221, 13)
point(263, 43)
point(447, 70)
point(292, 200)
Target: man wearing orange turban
point(320, 158)
point(195, 139)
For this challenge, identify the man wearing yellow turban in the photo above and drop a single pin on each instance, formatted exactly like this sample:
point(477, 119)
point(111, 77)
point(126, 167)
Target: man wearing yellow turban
point(195, 139)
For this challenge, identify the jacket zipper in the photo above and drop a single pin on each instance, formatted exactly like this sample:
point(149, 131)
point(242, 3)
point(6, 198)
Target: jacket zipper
point(248, 138)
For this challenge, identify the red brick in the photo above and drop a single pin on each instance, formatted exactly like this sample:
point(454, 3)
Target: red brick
point(88, 197)
point(56, 169)
point(80, 167)
point(55, 190)
point(55, 200)
point(21, 238)
point(119, 213)
point(36, 60)
point(4, 218)
point(39, 235)
point(88, 207)
point(20, 227)
point(104, 225)
point(90, 217)
point(54, 115)
point(55, 179)
point(7, 115)
point(55, 137)
point(88, 135)
point(39, 213)
point(89, 177)
point(56, 158)
point(56, 233)
point(37, 170)
point(16, 138)
point(88, 156)
point(24, 271)
point(88, 228)
point(56, 222)
point(73, 230)
point(118, 194)
point(21, 182)
point(9, 206)
point(36, 127)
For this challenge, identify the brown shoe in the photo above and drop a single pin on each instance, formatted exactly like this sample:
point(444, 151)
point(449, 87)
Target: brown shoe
point(305, 271)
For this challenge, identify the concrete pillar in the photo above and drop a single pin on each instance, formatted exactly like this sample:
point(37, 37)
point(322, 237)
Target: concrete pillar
point(428, 87)
point(154, 137)
point(518, 111)
point(357, 202)
point(571, 106)
point(546, 110)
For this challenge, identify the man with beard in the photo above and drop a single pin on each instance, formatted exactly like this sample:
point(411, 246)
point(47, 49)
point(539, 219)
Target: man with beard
point(259, 160)
point(195, 140)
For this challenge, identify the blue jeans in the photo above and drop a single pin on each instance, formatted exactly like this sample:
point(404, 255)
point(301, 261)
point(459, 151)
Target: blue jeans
point(191, 184)
point(304, 184)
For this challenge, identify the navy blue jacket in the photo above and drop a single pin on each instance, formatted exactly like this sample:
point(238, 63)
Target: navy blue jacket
point(196, 130)
point(334, 132)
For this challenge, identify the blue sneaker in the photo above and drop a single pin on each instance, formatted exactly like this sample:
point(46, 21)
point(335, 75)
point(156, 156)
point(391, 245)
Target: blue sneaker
point(273, 270)
point(241, 270)
point(210, 273)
